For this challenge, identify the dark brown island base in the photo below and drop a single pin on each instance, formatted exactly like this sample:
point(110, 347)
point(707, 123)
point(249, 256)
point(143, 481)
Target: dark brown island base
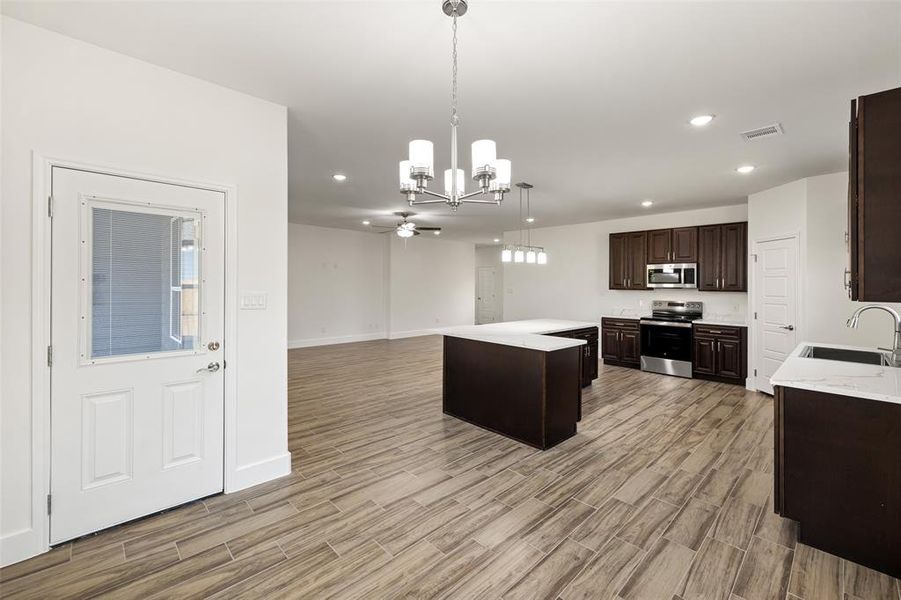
point(521, 379)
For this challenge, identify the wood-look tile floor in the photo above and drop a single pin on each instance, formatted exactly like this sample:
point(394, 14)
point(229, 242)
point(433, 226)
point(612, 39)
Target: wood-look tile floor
point(665, 493)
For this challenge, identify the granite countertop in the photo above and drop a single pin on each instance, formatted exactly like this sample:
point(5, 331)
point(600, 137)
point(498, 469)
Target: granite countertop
point(532, 333)
point(872, 382)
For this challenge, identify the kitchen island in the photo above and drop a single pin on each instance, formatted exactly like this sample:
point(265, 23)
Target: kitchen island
point(521, 379)
point(837, 467)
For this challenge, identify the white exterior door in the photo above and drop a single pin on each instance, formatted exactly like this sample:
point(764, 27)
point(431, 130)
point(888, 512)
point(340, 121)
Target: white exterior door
point(486, 296)
point(776, 300)
point(137, 403)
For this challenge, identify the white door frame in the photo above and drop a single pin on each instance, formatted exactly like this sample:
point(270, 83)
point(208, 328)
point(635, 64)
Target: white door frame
point(801, 324)
point(40, 327)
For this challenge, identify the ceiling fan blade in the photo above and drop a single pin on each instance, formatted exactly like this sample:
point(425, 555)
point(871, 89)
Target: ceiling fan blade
point(428, 229)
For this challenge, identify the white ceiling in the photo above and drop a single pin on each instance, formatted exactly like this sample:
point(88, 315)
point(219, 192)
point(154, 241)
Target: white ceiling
point(589, 99)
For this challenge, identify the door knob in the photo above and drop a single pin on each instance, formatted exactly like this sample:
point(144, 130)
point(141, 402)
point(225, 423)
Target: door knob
point(211, 368)
point(789, 327)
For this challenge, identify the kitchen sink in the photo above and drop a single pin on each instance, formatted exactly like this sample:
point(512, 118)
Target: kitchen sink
point(842, 354)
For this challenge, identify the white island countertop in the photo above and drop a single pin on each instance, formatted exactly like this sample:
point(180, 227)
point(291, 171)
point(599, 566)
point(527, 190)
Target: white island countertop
point(872, 382)
point(531, 334)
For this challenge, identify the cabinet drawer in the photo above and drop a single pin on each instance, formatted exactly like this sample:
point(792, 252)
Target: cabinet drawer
point(718, 331)
point(631, 324)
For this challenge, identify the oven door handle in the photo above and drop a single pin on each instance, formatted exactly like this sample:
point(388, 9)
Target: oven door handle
point(664, 323)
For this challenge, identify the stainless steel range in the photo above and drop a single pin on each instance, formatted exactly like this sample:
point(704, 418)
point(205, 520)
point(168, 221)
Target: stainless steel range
point(666, 339)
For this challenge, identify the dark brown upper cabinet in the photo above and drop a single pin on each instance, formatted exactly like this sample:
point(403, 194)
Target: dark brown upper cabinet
point(723, 257)
point(874, 203)
point(673, 245)
point(628, 260)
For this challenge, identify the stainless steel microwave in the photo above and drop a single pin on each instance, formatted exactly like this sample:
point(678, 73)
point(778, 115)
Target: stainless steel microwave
point(684, 275)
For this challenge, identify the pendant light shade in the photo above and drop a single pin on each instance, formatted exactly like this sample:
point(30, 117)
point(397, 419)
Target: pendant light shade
point(484, 155)
point(542, 257)
point(506, 255)
point(422, 157)
point(519, 256)
point(461, 181)
point(530, 256)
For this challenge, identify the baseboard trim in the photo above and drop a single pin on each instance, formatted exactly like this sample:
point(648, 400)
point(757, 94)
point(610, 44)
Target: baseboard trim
point(260, 472)
point(20, 545)
point(341, 339)
point(396, 335)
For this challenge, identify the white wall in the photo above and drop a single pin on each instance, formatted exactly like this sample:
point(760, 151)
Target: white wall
point(337, 285)
point(490, 256)
point(71, 100)
point(816, 208)
point(574, 283)
point(431, 284)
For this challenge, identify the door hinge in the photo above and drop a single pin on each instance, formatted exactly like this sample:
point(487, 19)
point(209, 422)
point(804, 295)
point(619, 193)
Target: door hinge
point(755, 315)
point(49, 356)
point(50, 206)
point(755, 372)
point(49, 503)
point(755, 257)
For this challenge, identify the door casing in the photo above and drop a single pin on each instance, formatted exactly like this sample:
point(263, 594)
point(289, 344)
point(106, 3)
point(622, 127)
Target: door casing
point(40, 327)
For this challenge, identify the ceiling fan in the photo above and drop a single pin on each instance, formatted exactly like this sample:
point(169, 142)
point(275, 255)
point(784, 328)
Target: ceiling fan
point(405, 228)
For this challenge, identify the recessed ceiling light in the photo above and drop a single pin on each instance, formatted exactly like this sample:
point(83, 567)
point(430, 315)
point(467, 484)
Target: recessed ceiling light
point(365, 222)
point(647, 203)
point(497, 240)
point(530, 219)
point(339, 177)
point(745, 169)
point(701, 120)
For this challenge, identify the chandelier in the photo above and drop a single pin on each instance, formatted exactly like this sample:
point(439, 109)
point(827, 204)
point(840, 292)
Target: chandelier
point(492, 174)
point(524, 251)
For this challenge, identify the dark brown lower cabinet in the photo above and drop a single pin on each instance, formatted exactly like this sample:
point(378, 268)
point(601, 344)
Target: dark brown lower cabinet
point(531, 396)
point(589, 351)
point(838, 473)
point(719, 353)
point(621, 342)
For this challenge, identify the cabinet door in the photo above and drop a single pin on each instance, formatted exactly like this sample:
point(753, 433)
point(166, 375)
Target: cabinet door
point(729, 358)
point(704, 359)
point(879, 197)
point(610, 343)
point(734, 257)
point(637, 260)
point(591, 356)
point(617, 261)
point(853, 240)
point(630, 346)
point(684, 245)
point(660, 247)
point(709, 258)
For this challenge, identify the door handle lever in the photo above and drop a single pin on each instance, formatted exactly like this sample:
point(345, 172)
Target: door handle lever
point(789, 327)
point(210, 368)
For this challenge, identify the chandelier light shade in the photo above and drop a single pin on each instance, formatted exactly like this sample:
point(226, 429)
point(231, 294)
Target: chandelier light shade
point(491, 173)
point(448, 182)
point(404, 172)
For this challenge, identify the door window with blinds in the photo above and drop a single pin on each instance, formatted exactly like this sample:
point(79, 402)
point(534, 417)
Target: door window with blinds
point(141, 275)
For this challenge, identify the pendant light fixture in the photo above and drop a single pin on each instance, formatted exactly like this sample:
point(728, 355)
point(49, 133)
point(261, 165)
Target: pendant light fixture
point(524, 251)
point(492, 174)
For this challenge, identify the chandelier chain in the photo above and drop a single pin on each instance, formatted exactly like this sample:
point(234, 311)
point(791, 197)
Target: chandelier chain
point(454, 118)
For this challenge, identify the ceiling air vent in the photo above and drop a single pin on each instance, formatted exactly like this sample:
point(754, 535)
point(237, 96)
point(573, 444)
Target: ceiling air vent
point(762, 132)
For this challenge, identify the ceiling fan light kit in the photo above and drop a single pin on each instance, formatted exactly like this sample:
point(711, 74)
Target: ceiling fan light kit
point(524, 251)
point(492, 174)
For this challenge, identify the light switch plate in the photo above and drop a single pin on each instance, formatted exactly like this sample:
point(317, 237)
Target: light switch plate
point(254, 300)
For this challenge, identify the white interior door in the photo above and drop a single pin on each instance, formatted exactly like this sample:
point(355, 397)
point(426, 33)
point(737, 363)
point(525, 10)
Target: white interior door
point(486, 295)
point(776, 301)
point(137, 403)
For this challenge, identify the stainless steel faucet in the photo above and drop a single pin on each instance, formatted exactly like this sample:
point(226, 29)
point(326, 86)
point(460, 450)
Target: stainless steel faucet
point(896, 346)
